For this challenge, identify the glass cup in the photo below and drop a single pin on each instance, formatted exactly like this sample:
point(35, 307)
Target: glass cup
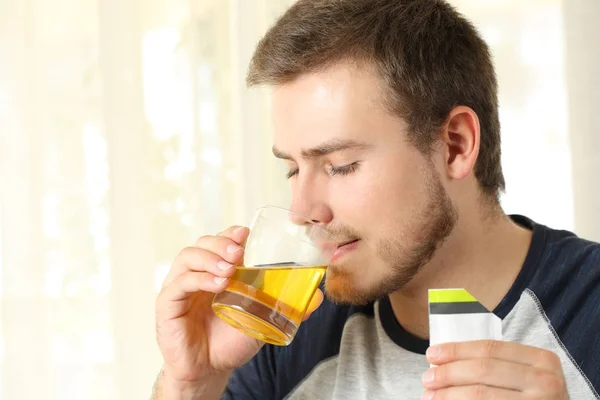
point(285, 259)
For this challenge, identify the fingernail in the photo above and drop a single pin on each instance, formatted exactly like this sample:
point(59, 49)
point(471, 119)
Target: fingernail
point(428, 395)
point(232, 248)
point(429, 376)
point(434, 352)
point(224, 266)
point(238, 230)
point(220, 281)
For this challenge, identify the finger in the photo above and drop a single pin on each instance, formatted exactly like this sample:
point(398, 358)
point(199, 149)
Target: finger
point(508, 351)
point(230, 250)
point(315, 302)
point(480, 371)
point(197, 259)
point(228, 244)
point(191, 282)
point(220, 246)
point(238, 234)
point(478, 392)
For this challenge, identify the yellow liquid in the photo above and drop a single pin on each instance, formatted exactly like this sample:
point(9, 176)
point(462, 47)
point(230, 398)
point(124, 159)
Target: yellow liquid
point(269, 303)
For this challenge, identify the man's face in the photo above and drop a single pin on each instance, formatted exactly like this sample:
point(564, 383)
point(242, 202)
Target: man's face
point(353, 171)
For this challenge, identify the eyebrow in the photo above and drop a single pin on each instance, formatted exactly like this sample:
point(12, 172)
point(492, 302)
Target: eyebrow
point(323, 149)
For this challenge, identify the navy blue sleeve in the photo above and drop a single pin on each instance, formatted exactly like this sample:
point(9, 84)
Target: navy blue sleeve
point(255, 380)
point(570, 296)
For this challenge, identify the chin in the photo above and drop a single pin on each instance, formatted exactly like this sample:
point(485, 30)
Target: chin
point(341, 287)
point(354, 286)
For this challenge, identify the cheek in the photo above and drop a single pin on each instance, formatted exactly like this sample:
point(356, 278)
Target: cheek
point(355, 195)
point(372, 200)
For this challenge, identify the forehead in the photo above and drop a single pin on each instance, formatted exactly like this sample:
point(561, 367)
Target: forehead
point(342, 102)
point(341, 88)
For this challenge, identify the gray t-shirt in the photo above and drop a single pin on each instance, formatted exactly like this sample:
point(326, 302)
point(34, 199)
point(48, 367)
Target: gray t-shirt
point(364, 353)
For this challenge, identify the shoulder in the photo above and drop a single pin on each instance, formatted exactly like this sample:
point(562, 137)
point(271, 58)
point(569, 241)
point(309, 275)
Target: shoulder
point(559, 261)
point(568, 267)
point(567, 252)
point(566, 285)
point(276, 370)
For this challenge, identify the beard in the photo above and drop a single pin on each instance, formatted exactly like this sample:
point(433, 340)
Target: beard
point(405, 255)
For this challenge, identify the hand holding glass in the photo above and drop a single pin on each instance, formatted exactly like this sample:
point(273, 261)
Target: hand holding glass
point(285, 259)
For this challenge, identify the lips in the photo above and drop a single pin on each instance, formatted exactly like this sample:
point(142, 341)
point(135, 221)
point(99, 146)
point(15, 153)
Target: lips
point(342, 244)
point(344, 248)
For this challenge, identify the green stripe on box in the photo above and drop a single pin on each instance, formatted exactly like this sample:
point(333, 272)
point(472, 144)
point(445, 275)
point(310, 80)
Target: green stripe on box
point(450, 296)
point(463, 307)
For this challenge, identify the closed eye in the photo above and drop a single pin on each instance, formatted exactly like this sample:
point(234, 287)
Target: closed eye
point(343, 170)
point(291, 173)
point(332, 170)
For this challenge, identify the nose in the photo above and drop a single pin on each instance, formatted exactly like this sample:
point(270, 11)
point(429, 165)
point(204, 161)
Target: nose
point(318, 214)
point(309, 203)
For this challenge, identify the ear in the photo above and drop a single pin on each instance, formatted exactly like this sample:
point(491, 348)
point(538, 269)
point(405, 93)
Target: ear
point(460, 136)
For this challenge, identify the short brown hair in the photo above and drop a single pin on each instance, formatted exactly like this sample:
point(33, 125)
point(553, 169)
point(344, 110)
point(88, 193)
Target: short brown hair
point(430, 57)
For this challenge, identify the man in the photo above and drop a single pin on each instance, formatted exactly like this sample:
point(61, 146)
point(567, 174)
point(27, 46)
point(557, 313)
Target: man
point(386, 113)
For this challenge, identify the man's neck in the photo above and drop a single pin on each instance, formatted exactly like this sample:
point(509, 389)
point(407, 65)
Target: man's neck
point(484, 255)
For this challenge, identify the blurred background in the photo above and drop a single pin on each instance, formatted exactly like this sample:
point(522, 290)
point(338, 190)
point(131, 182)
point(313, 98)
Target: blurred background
point(127, 132)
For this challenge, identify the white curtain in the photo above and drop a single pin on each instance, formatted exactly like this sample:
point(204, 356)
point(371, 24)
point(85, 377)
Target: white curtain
point(583, 80)
point(127, 131)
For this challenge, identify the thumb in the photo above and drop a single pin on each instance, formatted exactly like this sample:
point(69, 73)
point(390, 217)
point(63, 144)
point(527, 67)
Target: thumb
point(315, 302)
